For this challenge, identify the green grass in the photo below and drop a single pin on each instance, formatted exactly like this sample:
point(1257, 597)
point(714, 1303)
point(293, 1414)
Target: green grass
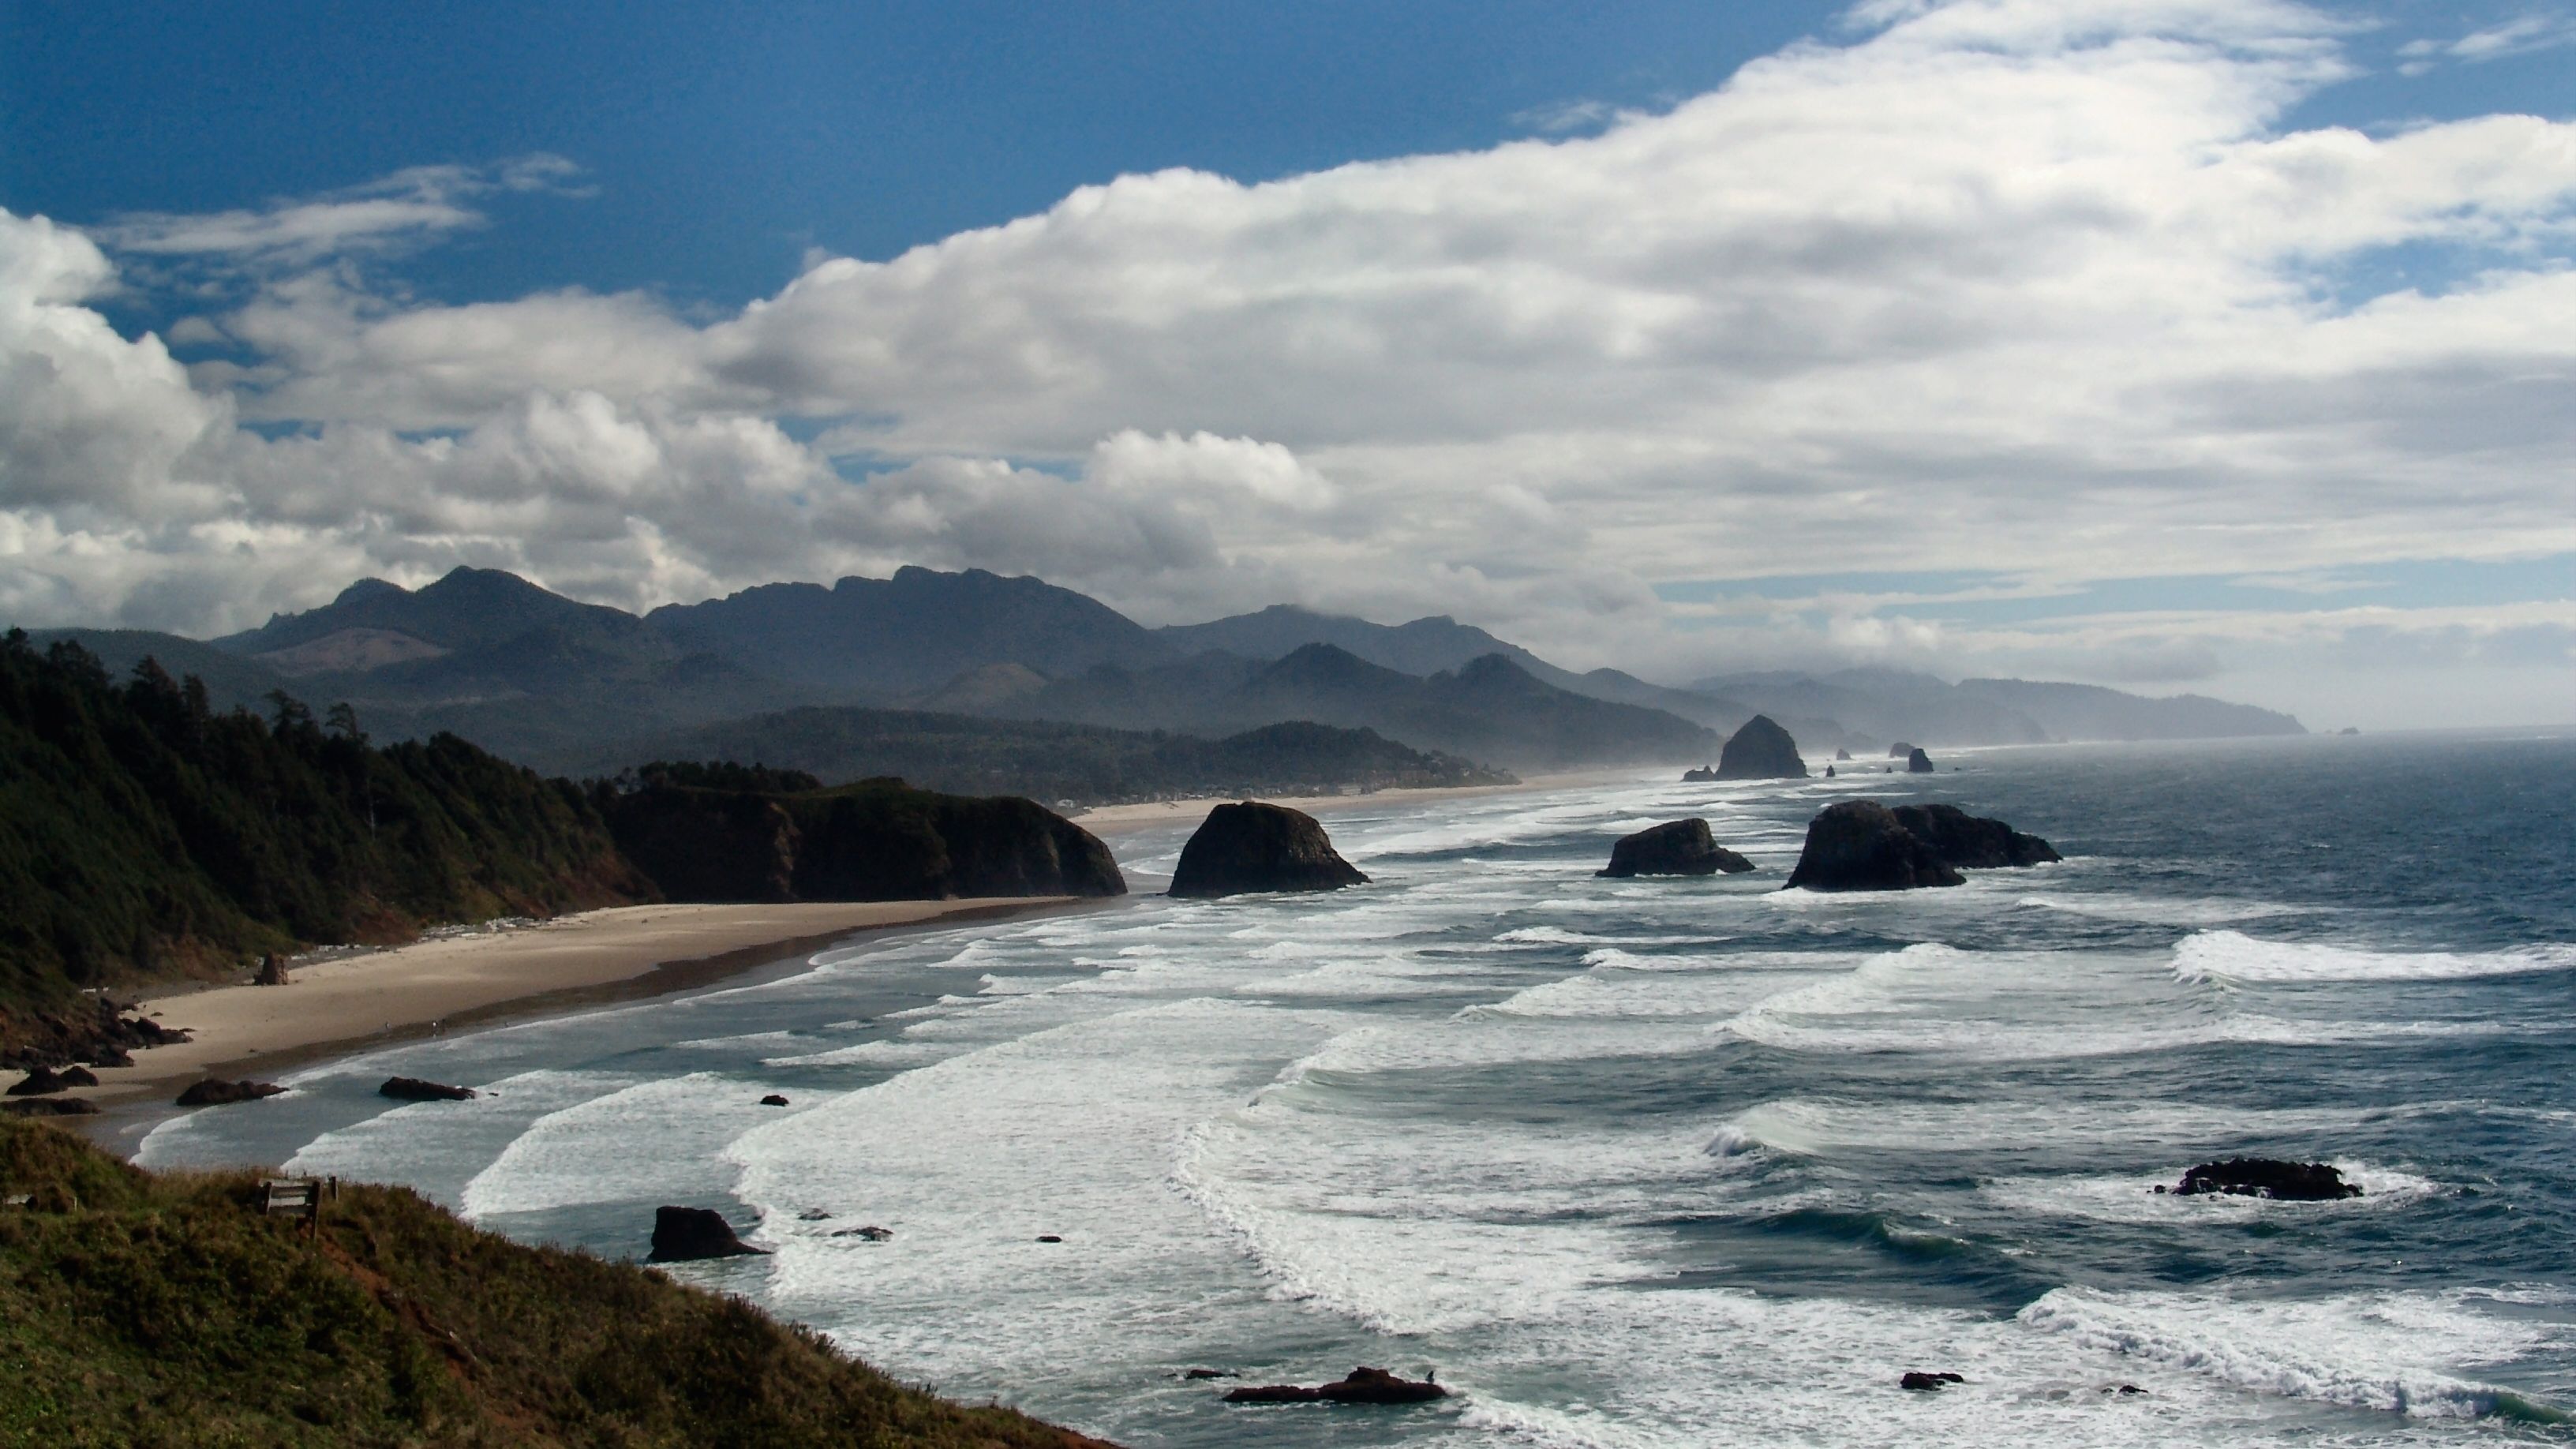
point(149, 1310)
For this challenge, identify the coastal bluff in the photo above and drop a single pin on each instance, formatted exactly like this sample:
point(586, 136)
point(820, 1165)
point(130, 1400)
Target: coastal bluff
point(702, 835)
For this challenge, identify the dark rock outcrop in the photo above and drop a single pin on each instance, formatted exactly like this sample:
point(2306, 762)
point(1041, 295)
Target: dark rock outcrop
point(1698, 774)
point(1918, 763)
point(1364, 1386)
point(1860, 845)
point(94, 1030)
point(2269, 1178)
point(1761, 750)
point(1254, 846)
point(413, 1089)
point(1678, 847)
point(877, 840)
point(687, 1234)
point(1972, 842)
point(272, 971)
point(50, 1107)
point(1840, 755)
point(773, 1100)
point(43, 1081)
point(1829, 772)
point(215, 1092)
point(1929, 1383)
point(1207, 1373)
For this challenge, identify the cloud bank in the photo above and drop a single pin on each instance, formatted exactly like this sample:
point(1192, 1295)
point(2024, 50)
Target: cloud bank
point(2042, 288)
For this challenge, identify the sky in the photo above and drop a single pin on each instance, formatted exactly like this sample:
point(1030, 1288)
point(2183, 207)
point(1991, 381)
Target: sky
point(2225, 346)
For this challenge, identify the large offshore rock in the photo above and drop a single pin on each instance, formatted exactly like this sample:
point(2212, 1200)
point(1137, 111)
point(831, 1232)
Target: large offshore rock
point(2268, 1177)
point(1365, 1385)
point(1677, 847)
point(1255, 846)
point(1761, 751)
point(1860, 845)
point(687, 1234)
point(1973, 842)
point(1917, 762)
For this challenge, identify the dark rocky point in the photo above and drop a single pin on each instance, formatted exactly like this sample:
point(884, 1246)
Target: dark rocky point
point(1364, 1386)
point(1679, 847)
point(413, 1089)
point(1698, 773)
point(43, 1081)
point(1859, 845)
point(214, 1092)
point(1829, 772)
point(1254, 846)
point(1918, 763)
point(773, 1100)
point(1761, 751)
point(687, 1234)
point(1972, 842)
point(1929, 1383)
point(50, 1107)
point(2269, 1178)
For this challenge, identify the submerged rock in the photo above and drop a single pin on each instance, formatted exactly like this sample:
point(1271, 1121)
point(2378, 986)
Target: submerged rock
point(1364, 1386)
point(2270, 1178)
point(214, 1092)
point(1255, 846)
point(1972, 842)
point(1918, 763)
point(414, 1089)
point(1677, 847)
point(773, 1100)
point(687, 1235)
point(1761, 751)
point(1859, 845)
point(1929, 1383)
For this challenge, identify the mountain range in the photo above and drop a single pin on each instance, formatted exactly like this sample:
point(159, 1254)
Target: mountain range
point(564, 685)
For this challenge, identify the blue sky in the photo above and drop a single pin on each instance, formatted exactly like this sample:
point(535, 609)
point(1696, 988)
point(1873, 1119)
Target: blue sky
point(2182, 343)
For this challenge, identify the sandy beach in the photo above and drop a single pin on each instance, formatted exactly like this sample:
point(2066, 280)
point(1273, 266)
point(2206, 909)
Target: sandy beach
point(474, 977)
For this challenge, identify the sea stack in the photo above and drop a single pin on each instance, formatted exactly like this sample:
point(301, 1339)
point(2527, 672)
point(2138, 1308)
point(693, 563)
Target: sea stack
point(1761, 751)
point(1678, 847)
point(1972, 842)
point(1917, 762)
point(1859, 845)
point(1255, 846)
point(687, 1234)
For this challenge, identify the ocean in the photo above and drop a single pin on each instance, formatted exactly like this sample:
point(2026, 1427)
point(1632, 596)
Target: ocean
point(1642, 1162)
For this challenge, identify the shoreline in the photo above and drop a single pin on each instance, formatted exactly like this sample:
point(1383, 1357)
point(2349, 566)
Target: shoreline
point(379, 998)
point(1111, 821)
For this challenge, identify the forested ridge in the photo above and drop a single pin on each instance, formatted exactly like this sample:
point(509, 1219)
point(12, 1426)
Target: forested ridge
point(145, 834)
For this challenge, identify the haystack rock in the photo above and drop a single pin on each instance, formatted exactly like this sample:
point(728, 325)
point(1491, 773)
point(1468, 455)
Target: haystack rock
point(1859, 845)
point(1918, 763)
point(1973, 842)
point(1761, 751)
point(1255, 846)
point(1678, 847)
point(687, 1234)
point(2268, 1177)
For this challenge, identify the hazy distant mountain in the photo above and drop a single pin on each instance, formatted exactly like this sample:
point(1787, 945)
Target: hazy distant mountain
point(2090, 712)
point(1491, 709)
point(1885, 705)
point(504, 663)
point(1428, 646)
point(1045, 759)
point(881, 639)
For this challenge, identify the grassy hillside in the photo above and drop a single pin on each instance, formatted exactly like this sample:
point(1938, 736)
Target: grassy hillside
point(161, 1310)
point(143, 833)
